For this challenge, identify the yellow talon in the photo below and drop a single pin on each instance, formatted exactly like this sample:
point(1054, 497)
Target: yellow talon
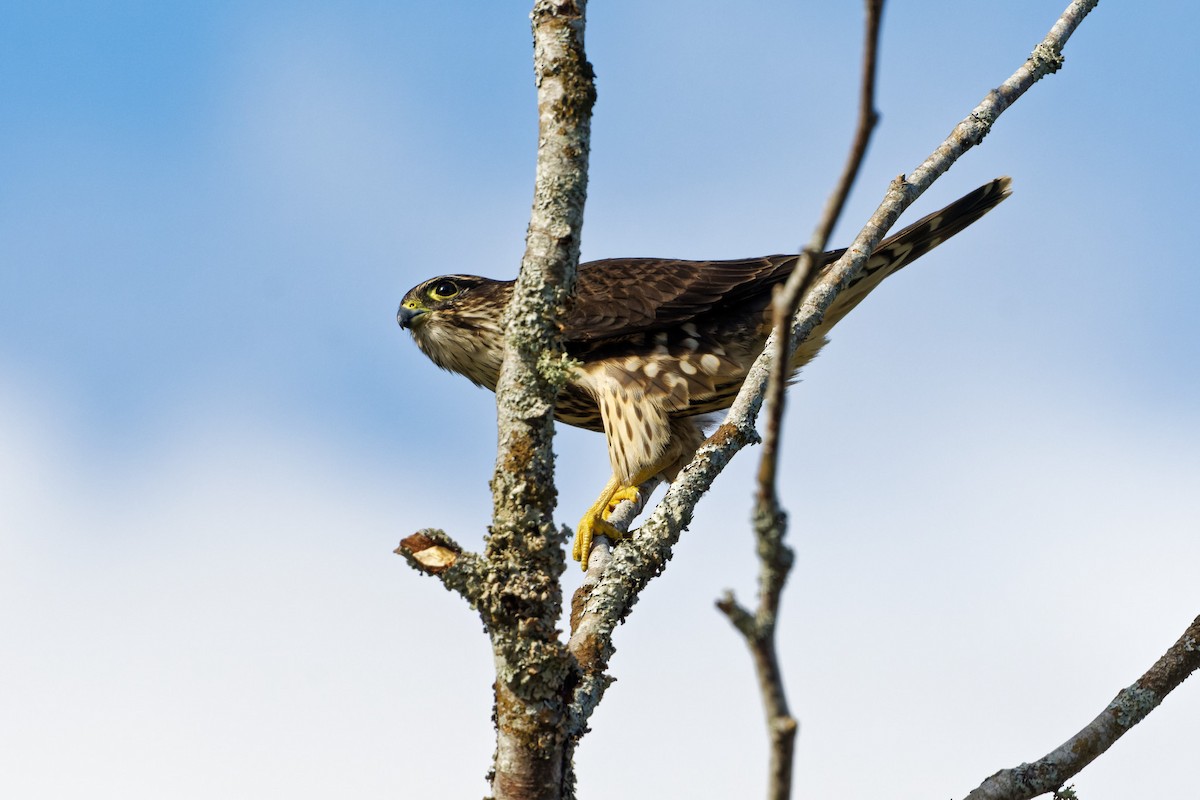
point(595, 521)
point(589, 528)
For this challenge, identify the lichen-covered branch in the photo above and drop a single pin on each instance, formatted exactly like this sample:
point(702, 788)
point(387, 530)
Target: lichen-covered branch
point(521, 595)
point(637, 561)
point(1128, 708)
point(433, 552)
point(515, 585)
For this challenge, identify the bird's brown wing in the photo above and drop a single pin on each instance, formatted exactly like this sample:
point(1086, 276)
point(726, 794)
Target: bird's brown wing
point(622, 296)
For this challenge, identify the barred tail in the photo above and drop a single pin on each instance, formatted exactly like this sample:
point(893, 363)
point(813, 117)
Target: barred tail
point(900, 249)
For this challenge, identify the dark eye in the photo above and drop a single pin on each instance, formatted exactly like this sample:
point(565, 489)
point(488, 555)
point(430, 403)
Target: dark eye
point(443, 289)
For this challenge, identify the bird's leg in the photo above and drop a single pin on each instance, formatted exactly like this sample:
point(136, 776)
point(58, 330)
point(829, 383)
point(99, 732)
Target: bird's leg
point(595, 521)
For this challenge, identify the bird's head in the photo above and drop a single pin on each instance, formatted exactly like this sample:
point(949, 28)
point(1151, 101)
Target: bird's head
point(451, 294)
point(456, 320)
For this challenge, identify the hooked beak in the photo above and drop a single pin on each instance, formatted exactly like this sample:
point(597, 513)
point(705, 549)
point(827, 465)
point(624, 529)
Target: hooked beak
point(407, 316)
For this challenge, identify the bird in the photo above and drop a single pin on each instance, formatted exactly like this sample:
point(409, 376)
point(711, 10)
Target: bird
point(657, 344)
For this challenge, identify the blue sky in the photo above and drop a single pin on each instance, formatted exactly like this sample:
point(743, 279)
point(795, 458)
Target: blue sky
point(213, 432)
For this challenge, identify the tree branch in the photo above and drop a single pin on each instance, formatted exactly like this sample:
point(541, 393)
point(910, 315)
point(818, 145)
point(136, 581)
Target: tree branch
point(521, 594)
point(770, 520)
point(1128, 708)
point(433, 552)
point(787, 299)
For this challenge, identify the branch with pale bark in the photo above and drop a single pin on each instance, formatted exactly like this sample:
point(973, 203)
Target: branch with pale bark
point(633, 564)
point(1128, 708)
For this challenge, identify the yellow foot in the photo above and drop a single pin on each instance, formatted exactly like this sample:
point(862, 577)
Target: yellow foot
point(590, 527)
point(595, 521)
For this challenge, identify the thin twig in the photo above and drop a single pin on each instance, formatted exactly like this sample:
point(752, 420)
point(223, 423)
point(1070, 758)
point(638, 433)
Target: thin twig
point(1128, 708)
point(787, 299)
point(770, 520)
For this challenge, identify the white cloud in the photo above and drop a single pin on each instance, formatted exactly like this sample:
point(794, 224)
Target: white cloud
point(221, 614)
point(224, 618)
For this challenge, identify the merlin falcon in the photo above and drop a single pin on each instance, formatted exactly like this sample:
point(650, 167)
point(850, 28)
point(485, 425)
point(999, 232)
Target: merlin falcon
point(657, 343)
